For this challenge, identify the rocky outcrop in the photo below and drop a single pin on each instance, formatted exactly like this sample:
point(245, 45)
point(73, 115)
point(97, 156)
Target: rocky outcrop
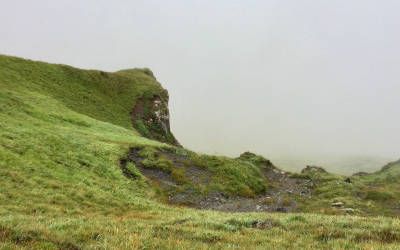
point(313, 169)
point(150, 117)
point(257, 159)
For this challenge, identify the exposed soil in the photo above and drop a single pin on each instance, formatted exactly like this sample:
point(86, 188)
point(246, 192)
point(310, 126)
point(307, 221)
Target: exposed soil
point(282, 196)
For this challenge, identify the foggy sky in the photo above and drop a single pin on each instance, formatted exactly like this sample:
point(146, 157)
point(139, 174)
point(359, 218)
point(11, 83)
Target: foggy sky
point(299, 81)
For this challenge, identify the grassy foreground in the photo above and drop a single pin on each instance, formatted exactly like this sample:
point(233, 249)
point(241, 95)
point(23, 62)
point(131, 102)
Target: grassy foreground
point(62, 133)
point(153, 227)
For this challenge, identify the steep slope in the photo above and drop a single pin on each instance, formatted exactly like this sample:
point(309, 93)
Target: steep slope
point(75, 174)
point(108, 97)
point(68, 129)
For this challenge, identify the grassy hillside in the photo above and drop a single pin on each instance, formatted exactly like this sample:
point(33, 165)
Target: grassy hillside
point(367, 194)
point(104, 96)
point(63, 133)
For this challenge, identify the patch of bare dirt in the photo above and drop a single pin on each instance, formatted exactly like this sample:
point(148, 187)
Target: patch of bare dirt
point(282, 196)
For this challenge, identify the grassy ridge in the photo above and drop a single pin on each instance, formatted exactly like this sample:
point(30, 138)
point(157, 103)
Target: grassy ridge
point(62, 133)
point(107, 97)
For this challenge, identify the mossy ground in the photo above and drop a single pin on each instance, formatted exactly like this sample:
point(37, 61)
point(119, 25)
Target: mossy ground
point(62, 134)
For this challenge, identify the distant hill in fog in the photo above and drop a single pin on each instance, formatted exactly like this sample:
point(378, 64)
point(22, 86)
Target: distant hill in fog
point(342, 165)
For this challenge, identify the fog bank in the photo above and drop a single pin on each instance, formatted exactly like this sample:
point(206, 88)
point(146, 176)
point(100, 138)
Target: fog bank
point(301, 82)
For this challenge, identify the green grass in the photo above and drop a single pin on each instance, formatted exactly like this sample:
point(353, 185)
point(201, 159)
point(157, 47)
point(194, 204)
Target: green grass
point(230, 176)
point(160, 228)
point(108, 97)
point(62, 134)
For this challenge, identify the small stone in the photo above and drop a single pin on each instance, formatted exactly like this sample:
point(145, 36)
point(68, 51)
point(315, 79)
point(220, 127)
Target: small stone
point(348, 210)
point(337, 204)
point(303, 192)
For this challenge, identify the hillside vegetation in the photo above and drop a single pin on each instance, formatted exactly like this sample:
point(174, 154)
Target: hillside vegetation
point(79, 169)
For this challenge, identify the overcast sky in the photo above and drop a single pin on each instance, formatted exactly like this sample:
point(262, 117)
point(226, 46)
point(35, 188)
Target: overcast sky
point(287, 79)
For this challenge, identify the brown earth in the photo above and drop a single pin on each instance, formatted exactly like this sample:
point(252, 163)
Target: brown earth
point(282, 196)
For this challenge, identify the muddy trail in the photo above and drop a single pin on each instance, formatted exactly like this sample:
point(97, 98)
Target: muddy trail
point(282, 195)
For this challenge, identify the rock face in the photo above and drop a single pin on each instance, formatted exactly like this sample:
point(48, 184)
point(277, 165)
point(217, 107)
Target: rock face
point(150, 117)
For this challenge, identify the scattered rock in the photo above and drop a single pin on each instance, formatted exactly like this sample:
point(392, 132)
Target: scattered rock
point(280, 197)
